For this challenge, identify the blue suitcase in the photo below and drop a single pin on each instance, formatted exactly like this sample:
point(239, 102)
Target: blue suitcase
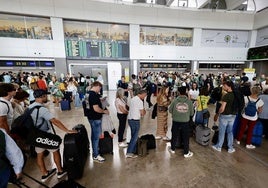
point(257, 134)
point(65, 105)
point(236, 125)
point(77, 101)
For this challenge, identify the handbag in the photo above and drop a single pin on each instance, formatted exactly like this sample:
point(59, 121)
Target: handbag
point(42, 139)
point(206, 115)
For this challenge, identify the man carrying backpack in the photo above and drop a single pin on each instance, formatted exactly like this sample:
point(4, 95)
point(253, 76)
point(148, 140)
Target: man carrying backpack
point(7, 92)
point(44, 121)
point(253, 105)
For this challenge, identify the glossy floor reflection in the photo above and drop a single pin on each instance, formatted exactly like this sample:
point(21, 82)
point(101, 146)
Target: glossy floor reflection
point(160, 169)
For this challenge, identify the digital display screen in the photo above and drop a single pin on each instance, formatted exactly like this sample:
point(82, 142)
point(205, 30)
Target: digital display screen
point(21, 63)
point(9, 63)
point(46, 64)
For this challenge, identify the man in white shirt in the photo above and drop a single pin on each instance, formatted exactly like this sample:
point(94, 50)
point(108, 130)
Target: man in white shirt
point(136, 111)
point(7, 92)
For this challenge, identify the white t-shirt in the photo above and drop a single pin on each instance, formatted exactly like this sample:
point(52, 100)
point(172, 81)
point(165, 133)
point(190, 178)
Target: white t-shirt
point(4, 111)
point(194, 94)
point(136, 104)
point(258, 104)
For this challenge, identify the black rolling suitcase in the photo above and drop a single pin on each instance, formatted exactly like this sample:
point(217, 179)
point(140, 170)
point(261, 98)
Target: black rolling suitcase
point(75, 153)
point(106, 144)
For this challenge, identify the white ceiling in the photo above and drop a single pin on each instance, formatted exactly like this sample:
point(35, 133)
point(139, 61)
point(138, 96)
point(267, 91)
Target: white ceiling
point(230, 5)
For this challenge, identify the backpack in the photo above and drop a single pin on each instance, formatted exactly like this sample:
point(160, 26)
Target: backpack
point(251, 109)
point(216, 93)
point(21, 125)
point(238, 103)
point(86, 105)
point(153, 88)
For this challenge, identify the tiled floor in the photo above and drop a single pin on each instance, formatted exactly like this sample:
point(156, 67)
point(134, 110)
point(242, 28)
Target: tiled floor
point(207, 168)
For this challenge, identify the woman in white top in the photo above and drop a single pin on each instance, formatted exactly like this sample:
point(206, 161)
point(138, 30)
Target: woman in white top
point(250, 121)
point(193, 92)
point(263, 115)
point(122, 112)
point(72, 87)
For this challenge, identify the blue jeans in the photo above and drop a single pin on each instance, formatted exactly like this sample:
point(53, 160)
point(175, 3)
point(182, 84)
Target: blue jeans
point(95, 135)
point(226, 123)
point(134, 127)
point(4, 177)
point(199, 117)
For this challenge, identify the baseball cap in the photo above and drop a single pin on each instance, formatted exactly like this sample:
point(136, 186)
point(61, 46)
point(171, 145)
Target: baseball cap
point(39, 93)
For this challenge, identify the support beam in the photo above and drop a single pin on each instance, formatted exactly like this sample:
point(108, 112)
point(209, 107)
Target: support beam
point(169, 2)
point(202, 3)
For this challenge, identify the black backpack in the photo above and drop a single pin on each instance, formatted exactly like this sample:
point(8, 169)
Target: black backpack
point(86, 105)
point(216, 93)
point(21, 125)
point(238, 103)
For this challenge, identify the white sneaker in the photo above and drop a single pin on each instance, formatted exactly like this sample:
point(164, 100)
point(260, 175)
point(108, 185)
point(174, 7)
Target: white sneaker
point(131, 155)
point(238, 142)
point(158, 137)
point(98, 159)
point(216, 148)
point(250, 146)
point(122, 145)
point(170, 150)
point(166, 138)
point(231, 150)
point(189, 154)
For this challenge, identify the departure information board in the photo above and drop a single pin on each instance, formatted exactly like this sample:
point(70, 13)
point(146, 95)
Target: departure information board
point(258, 53)
point(97, 49)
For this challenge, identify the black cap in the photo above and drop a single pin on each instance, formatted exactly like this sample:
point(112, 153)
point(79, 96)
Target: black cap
point(39, 93)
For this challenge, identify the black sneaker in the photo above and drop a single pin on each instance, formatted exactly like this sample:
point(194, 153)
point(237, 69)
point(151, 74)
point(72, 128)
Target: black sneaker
point(49, 174)
point(61, 174)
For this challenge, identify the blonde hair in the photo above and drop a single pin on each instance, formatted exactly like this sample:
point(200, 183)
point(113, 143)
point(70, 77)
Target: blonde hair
point(120, 93)
point(162, 93)
point(255, 90)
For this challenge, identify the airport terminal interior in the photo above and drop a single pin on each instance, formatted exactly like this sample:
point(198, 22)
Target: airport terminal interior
point(113, 38)
point(160, 168)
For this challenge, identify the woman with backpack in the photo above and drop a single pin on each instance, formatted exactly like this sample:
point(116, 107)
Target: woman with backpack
point(253, 106)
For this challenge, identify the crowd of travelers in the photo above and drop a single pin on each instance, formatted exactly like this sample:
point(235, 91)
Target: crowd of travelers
point(185, 96)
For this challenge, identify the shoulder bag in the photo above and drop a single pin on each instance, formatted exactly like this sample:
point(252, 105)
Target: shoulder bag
point(43, 139)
